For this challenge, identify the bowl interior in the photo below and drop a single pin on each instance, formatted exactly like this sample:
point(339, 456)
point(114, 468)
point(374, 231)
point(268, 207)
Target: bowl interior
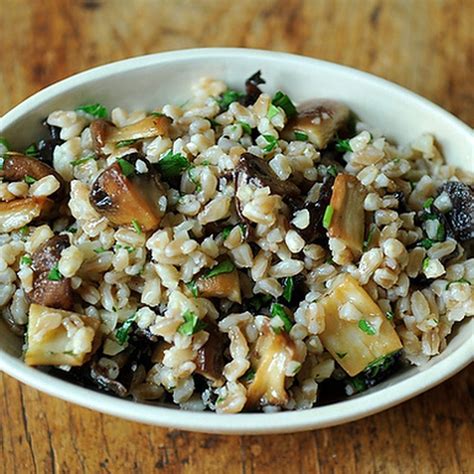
point(147, 82)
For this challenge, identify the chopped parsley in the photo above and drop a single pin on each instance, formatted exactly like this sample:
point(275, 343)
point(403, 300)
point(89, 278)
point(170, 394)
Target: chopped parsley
point(226, 266)
point(389, 315)
point(341, 355)
point(427, 203)
point(425, 264)
point(246, 127)
point(288, 287)
point(192, 286)
point(100, 250)
point(126, 167)
point(124, 143)
point(172, 165)
point(54, 274)
point(26, 260)
point(440, 232)
point(136, 226)
point(24, 230)
point(343, 146)
point(128, 248)
point(226, 232)
point(29, 179)
point(248, 376)
point(4, 142)
point(123, 332)
point(327, 218)
point(192, 324)
point(272, 112)
point(96, 110)
point(300, 136)
point(461, 280)
point(157, 114)
point(282, 100)
point(370, 235)
point(367, 327)
point(426, 243)
point(272, 142)
point(81, 161)
point(278, 311)
point(331, 170)
point(193, 180)
point(32, 150)
point(229, 96)
point(257, 302)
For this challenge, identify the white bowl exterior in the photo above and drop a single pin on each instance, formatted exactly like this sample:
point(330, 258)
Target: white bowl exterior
point(150, 81)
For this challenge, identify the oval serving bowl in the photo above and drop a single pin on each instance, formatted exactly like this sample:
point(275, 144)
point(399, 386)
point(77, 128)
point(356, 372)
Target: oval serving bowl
point(149, 81)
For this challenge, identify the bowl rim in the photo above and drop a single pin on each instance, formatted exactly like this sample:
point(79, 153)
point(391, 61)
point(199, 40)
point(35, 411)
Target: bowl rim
point(242, 423)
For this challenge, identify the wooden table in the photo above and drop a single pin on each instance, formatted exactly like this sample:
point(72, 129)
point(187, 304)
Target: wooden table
point(425, 45)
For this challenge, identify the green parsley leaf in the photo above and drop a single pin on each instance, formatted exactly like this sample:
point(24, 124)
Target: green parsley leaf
point(192, 324)
point(96, 110)
point(32, 150)
point(246, 127)
point(25, 230)
point(136, 226)
point(100, 250)
point(29, 179)
point(26, 260)
point(226, 232)
point(343, 146)
point(332, 170)
point(425, 264)
point(272, 112)
point(226, 98)
point(124, 143)
point(367, 327)
point(192, 286)
point(282, 100)
point(258, 301)
point(54, 274)
point(327, 218)
point(427, 203)
point(4, 142)
point(123, 332)
point(248, 376)
point(272, 142)
point(277, 310)
point(128, 248)
point(288, 286)
point(389, 315)
point(172, 165)
point(341, 355)
point(126, 167)
point(426, 243)
point(157, 114)
point(300, 136)
point(440, 232)
point(461, 280)
point(81, 161)
point(193, 180)
point(227, 266)
point(370, 235)
point(358, 384)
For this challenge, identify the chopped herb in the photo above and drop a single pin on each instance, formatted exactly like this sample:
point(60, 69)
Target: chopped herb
point(288, 286)
point(226, 232)
point(389, 315)
point(24, 230)
point(193, 180)
point(425, 263)
point(123, 332)
point(272, 142)
point(246, 127)
point(100, 250)
point(461, 280)
point(327, 218)
point(220, 399)
point(126, 167)
point(300, 136)
point(426, 243)
point(192, 324)
point(81, 161)
point(26, 260)
point(229, 96)
point(214, 124)
point(172, 165)
point(32, 150)
point(282, 100)
point(370, 235)
point(277, 310)
point(343, 146)
point(96, 110)
point(367, 327)
point(332, 170)
point(224, 267)
point(341, 355)
point(192, 286)
point(272, 112)
point(124, 143)
point(128, 248)
point(258, 301)
point(427, 203)
point(248, 376)
point(29, 179)
point(397, 160)
point(4, 142)
point(440, 232)
point(54, 274)
point(358, 384)
point(136, 226)
point(157, 114)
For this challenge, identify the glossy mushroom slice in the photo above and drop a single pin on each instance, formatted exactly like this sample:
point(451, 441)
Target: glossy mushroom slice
point(319, 120)
point(50, 288)
point(104, 132)
point(210, 357)
point(20, 212)
point(57, 337)
point(126, 196)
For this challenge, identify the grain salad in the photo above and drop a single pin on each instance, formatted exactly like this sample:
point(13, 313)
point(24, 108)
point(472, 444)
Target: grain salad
point(233, 253)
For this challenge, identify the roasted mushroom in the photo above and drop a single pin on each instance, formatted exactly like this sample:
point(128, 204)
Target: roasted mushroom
point(210, 357)
point(50, 288)
point(355, 342)
point(319, 120)
point(251, 88)
point(125, 196)
point(46, 146)
point(20, 212)
point(104, 132)
point(57, 337)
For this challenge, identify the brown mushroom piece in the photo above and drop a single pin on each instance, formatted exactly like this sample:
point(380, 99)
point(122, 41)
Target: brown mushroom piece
point(104, 132)
point(125, 196)
point(273, 352)
point(50, 288)
point(210, 357)
point(319, 120)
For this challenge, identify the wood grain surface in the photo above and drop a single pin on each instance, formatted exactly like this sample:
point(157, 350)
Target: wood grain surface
point(425, 45)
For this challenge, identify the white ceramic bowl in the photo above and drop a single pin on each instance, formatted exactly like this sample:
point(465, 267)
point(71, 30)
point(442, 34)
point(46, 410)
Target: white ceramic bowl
point(148, 81)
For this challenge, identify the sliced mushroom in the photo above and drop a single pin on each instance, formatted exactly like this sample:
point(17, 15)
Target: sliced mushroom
point(274, 351)
point(51, 289)
point(210, 357)
point(104, 132)
point(319, 119)
point(57, 337)
point(251, 88)
point(356, 343)
point(125, 198)
point(348, 216)
point(225, 285)
point(20, 212)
